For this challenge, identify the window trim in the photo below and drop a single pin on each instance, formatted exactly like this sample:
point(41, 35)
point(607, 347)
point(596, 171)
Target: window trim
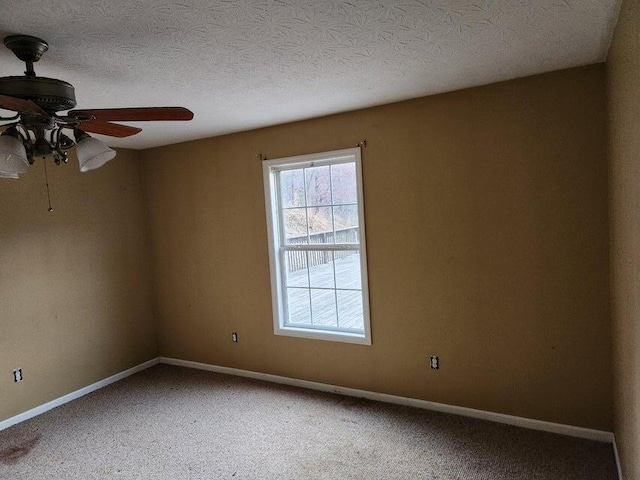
point(274, 236)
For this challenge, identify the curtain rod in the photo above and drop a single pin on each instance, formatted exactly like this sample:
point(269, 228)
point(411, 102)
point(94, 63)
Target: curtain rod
point(362, 144)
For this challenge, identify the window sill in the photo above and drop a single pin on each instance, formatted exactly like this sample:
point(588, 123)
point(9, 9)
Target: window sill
point(360, 339)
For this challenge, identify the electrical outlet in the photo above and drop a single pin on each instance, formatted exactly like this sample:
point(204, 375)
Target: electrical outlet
point(234, 337)
point(435, 362)
point(17, 375)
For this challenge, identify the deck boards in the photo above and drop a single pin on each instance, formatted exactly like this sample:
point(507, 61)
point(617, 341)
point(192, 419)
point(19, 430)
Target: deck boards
point(302, 299)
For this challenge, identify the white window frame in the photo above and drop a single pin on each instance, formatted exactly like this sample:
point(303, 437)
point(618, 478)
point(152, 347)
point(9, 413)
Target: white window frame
point(276, 239)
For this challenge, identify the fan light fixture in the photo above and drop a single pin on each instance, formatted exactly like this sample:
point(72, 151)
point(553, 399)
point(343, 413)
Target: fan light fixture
point(17, 150)
point(13, 156)
point(36, 128)
point(91, 152)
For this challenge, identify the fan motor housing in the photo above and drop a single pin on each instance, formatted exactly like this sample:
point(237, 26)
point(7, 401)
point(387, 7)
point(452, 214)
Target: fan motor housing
point(50, 94)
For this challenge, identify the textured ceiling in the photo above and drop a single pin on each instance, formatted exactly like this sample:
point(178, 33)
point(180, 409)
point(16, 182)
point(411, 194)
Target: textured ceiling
point(242, 64)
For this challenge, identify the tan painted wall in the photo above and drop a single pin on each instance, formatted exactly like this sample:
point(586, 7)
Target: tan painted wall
point(487, 230)
point(624, 116)
point(75, 285)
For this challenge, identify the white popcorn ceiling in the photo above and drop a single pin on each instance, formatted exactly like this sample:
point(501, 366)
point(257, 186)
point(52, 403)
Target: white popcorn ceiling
point(242, 64)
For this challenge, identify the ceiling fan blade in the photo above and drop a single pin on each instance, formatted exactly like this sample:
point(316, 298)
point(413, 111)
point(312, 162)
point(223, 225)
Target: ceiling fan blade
point(108, 128)
point(20, 105)
point(136, 114)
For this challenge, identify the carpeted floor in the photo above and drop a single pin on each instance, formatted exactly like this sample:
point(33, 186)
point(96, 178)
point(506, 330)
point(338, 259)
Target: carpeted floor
point(175, 423)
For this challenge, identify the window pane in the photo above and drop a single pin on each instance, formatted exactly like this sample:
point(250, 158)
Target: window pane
point(343, 180)
point(346, 216)
point(295, 226)
point(297, 273)
point(321, 269)
point(350, 310)
point(318, 186)
point(320, 225)
point(292, 188)
point(323, 304)
point(348, 270)
point(299, 306)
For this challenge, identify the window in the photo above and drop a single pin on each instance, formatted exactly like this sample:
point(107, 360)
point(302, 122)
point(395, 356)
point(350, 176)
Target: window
point(317, 246)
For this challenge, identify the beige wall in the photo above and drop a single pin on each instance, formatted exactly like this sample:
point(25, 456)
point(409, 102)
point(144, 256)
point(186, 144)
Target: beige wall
point(75, 285)
point(487, 230)
point(624, 116)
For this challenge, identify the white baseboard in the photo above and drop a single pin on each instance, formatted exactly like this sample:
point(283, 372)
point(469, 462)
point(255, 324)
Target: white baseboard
point(618, 464)
point(580, 432)
point(77, 394)
point(570, 430)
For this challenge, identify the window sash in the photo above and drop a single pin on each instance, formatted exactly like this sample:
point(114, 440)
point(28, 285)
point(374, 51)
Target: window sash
point(284, 286)
point(320, 247)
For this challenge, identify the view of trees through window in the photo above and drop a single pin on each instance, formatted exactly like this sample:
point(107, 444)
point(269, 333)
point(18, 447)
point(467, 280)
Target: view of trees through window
point(320, 204)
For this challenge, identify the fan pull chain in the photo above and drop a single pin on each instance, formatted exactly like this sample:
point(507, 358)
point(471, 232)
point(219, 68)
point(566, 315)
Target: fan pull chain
point(46, 178)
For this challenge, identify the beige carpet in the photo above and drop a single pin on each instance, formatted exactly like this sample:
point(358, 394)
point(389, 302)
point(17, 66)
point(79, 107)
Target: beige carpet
point(175, 423)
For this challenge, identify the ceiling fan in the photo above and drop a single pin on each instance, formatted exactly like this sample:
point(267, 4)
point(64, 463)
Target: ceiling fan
point(36, 130)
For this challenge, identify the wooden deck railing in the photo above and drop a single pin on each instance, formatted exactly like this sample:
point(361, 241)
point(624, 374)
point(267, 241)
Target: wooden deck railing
point(297, 260)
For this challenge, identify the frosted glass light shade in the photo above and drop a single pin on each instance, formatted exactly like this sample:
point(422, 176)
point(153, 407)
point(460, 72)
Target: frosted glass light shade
point(13, 157)
point(92, 153)
point(8, 175)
